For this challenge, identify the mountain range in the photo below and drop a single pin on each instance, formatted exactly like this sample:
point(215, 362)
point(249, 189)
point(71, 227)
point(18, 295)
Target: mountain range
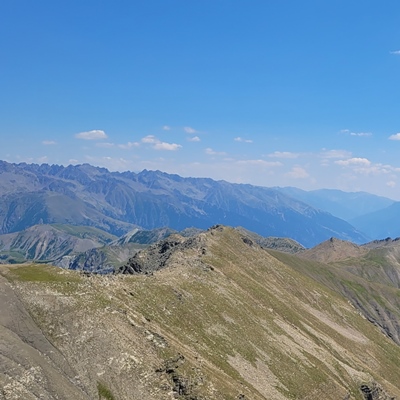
point(118, 202)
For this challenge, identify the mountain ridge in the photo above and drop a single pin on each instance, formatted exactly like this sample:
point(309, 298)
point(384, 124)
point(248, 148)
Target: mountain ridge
point(224, 319)
point(120, 201)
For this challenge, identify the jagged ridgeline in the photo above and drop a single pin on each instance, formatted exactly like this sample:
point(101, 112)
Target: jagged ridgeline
point(216, 316)
point(119, 202)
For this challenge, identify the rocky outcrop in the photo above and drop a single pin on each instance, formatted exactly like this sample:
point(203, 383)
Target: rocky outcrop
point(373, 391)
point(182, 387)
point(155, 256)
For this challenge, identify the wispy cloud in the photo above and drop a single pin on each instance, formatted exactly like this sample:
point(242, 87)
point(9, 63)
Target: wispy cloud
point(111, 163)
point(391, 184)
point(92, 135)
point(335, 154)
point(159, 145)
point(105, 145)
point(124, 146)
point(166, 128)
point(261, 163)
point(167, 146)
point(239, 139)
point(360, 134)
point(396, 52)
point(43, 159)
point(189, 130)
point(212, 152)
point(49, 142)
point(283, 154)
point(349, 132)
point(297, 172)
point(395, 136)
point(129, 145)
point(194, 139)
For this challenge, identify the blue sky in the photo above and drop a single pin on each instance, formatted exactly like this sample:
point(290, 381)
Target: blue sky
point(273, 93)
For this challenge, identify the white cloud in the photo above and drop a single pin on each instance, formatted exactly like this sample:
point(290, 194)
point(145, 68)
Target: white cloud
point(396, 52)
point(92, 135)
point(166, 128)
point(391, 184)
point(211, 152)
point(48, 142)
point(297, 173)
point(239, 139)
point(158, 145)
point(189, 130)
point(167, 146)
point(150, 139)
point(194, 139)
point(354, 161)
point(395, 136)
point(283, 154)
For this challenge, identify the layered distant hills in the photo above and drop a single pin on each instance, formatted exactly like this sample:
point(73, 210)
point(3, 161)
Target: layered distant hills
point(117, 202)
point(345, 205)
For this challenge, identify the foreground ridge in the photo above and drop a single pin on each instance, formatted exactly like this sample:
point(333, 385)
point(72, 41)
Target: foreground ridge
point(222, 319)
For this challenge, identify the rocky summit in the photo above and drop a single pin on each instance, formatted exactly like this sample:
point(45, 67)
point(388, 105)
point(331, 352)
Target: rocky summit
point(214, 316)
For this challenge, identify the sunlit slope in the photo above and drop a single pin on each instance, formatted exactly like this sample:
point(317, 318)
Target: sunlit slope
point(223, 319)
point(368, 275)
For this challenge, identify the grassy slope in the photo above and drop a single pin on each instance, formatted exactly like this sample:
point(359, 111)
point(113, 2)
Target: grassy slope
point(370, 282)
point(245, 322)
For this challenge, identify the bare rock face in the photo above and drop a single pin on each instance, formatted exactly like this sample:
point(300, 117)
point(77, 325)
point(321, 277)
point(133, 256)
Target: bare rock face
point(373, 391)
point(155, 256)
